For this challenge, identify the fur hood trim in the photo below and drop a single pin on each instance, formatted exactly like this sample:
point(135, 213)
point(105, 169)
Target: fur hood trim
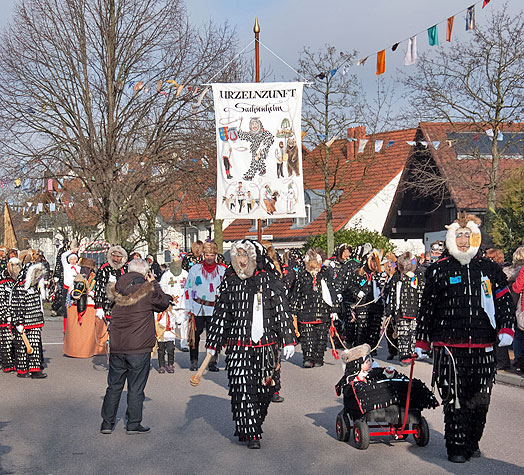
point(14, 266)
point(451, 242)
point(249, 247)
point(120, 250)
point(355, 353)
point(34, 273)
point(131, 299)
point(512, 272)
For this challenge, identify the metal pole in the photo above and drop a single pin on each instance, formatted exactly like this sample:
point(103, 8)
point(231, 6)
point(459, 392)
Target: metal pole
point(256, 30)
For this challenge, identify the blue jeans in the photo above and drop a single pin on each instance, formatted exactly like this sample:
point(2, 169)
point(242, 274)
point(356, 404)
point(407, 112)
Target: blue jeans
point(134, 369)
point(518, 343)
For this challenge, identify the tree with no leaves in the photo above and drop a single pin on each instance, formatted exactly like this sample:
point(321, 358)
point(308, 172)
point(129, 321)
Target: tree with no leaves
point(333, 102)
point(106, 91)
point(477, 84)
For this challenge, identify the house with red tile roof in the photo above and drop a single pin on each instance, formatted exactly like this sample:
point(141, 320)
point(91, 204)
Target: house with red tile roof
point(453, 163)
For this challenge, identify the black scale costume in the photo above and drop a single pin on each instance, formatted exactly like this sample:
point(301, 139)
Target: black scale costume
point(367, 313)
point(25, 306)
point(404, 294)
point(250, 365)
point(313, 313)
point(108, 272)
point(383, 395)
point(6, 333)
point(451, 314)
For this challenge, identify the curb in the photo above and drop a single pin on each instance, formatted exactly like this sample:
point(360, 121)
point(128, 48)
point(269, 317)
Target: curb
point(509, 378)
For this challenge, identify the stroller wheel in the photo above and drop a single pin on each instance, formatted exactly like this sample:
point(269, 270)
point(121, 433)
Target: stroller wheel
point(422, 435)
point(342, 427)
point(361, 434)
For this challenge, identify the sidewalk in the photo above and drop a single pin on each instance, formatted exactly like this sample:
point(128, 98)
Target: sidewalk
point(508, 377)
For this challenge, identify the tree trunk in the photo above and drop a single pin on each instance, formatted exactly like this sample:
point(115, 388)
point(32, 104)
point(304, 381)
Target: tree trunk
point(218, 236)
point(330, 234)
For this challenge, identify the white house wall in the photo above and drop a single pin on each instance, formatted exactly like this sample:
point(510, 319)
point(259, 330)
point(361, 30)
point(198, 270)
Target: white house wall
point(373, 214)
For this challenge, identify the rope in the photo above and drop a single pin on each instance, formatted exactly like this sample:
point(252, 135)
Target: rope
point(234, 58)
point(290, 67)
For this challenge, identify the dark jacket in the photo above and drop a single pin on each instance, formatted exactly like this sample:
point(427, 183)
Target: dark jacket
point(132, 319)
point(451, 310)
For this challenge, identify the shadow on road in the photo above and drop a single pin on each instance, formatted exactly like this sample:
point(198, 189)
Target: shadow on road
point(213, 410)
point(4, 449)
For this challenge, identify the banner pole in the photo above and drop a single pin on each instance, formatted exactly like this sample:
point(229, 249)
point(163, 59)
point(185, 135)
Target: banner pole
point(256, 30)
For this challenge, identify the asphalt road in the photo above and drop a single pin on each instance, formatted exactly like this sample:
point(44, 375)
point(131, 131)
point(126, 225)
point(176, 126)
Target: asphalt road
point(51, 426)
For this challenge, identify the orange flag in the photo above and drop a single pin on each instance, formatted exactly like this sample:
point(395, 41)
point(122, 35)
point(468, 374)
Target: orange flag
point(381, 62)
point(449, 29)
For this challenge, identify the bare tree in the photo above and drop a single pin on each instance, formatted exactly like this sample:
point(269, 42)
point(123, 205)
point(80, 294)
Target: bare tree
point(333, 102)
point(475, 86)
point(106, 91)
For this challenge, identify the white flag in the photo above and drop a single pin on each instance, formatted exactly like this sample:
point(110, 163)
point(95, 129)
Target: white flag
point(362, 145)
point(378, 145)
point(411, 52)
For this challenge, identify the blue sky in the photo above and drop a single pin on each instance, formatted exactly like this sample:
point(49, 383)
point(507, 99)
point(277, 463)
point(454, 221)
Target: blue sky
point(289, 25)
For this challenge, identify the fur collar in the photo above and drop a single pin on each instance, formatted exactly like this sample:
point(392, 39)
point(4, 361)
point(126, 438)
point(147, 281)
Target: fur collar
point(252, 259)
point(34, 272)
point(451, 243)
point(109, 257)
point(131, 299)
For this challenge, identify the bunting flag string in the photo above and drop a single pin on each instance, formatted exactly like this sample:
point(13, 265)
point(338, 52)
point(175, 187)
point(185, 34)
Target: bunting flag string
point(411, 52)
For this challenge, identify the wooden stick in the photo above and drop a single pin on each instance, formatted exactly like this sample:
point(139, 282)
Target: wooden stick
point(28, 346)
point(195, 379)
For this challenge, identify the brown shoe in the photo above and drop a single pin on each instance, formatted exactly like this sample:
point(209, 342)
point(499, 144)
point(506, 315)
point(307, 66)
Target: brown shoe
point(170, 368)
point(161, 369)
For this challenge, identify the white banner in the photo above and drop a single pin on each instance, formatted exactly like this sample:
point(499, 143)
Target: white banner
point(259, 150)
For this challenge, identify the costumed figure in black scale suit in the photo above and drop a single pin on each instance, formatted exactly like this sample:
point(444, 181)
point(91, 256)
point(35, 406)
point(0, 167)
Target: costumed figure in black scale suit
point(251, 319)
point(8, 277)
point(404, 294)
point(466, 307)
point(27, 317)
point(109, 272)
point(365, 286)
point(314, 302)
point(58, 305)
point(340, 268)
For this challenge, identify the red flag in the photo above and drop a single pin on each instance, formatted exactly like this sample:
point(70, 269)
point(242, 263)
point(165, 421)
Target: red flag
point(449, 29)
point(485, 3)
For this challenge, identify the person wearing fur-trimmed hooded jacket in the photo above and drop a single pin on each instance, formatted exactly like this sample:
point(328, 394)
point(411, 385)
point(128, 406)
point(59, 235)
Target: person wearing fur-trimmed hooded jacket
point(8, 277)
point(466, 307)
point(251, 318)
point(114, 268)
point(314, 302)
point(27, 317)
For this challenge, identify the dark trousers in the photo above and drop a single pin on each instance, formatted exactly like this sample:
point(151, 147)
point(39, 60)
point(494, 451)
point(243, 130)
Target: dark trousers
point(201, 322)
point(134, 369)
point(163, 348)
point(475, 374)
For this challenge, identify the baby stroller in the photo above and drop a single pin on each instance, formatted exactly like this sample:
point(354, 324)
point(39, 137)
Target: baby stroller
point(380, 402)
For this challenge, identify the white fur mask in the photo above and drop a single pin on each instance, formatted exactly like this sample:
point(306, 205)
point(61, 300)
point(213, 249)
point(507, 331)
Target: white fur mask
point(451, 242)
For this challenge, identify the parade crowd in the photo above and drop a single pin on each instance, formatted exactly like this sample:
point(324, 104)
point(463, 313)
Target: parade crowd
point(458, 304)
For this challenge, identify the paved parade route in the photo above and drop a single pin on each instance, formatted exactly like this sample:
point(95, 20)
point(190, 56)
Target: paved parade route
point(52, 426)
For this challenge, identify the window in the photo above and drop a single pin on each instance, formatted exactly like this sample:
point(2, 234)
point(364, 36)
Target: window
point(301, 222)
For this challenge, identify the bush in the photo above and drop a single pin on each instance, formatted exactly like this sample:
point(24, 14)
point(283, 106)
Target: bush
point(507, 229)
point(354, 237)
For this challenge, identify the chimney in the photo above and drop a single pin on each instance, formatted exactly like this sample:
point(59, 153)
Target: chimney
point(352, 145)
